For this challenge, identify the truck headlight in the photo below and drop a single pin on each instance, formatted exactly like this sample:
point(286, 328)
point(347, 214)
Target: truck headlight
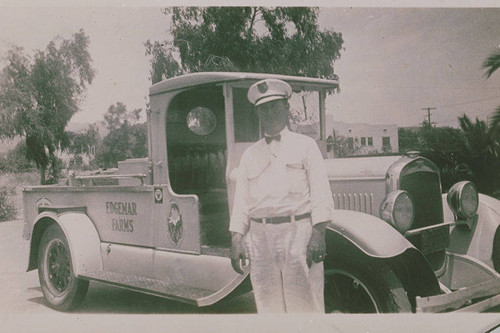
point(398, 210)
point(463, 199)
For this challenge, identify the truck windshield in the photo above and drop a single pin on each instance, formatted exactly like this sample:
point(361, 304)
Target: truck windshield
point(304, 115)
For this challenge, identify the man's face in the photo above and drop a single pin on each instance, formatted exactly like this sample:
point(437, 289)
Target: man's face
point(273, 114)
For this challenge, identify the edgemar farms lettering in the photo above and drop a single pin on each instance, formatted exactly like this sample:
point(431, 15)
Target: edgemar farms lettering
point(121, 208)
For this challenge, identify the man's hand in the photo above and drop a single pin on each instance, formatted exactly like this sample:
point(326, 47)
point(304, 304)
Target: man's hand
point(238, 253)
point(316, 249)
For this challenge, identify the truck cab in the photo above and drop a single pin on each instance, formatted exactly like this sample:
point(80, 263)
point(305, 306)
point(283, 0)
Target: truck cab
point(200, 125)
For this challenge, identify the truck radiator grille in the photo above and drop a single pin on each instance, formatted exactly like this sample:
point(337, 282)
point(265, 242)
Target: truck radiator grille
point(424, 187)
point(360, 202)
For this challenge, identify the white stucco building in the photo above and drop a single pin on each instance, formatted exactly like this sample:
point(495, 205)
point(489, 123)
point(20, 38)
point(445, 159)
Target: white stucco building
point(364, 139)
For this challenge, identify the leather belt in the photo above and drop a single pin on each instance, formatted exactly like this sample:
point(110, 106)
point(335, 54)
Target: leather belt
point(280, 219)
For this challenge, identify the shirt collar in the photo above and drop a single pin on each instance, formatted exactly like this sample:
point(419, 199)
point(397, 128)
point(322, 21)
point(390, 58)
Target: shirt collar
point(284, 131)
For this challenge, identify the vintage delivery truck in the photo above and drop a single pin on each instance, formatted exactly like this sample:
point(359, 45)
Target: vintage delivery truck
point(160, 225)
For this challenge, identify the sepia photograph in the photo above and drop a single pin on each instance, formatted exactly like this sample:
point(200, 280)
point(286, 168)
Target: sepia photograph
point(274, 167)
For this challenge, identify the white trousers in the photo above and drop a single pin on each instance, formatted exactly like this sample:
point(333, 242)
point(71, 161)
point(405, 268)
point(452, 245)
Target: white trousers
point(281, 280)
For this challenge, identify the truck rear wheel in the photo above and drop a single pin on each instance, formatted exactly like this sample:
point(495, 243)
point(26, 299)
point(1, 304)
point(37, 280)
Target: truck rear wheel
point(62, 290)
point(350, 289)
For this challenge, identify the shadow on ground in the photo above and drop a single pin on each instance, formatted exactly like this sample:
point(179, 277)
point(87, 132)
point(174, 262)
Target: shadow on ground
point(107, 299)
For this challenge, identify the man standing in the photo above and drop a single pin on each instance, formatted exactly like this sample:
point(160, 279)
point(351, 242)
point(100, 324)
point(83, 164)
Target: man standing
point(282, 206)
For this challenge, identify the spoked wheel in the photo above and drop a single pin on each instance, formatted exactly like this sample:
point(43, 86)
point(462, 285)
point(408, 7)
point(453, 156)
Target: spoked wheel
point(58, 267)
point(350, 290)
point(347, 294)
point(62, 290)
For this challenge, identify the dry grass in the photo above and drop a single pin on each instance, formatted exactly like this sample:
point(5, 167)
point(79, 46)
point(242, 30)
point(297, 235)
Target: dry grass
point(18, 181)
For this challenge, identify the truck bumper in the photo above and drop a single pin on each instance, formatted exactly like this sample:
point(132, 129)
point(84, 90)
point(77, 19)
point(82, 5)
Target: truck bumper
point(468, 284)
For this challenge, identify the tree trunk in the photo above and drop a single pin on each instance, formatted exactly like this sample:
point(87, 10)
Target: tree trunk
point(42, 174)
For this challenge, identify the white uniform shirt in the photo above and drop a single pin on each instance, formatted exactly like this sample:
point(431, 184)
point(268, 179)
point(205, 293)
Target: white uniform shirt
point(282, 178)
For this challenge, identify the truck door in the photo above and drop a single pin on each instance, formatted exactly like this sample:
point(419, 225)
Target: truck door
point(194, 209)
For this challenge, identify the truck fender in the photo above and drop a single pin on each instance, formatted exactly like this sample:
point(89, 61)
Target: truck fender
point(82, 237)
point(372, 235)
point(483, 236)
point(367, 241)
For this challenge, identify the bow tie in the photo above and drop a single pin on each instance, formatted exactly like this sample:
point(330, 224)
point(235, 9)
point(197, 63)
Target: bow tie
point(276, 137)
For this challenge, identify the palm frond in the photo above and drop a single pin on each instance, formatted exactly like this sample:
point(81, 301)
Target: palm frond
point(465, 123)
point(492, 63)
point(495, 121)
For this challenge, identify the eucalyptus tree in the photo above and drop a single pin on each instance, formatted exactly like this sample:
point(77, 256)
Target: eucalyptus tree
point(39, 94)
point(284, 40)
point(126, 137)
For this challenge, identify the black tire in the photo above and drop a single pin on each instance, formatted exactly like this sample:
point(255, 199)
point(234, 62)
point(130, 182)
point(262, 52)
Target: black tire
point(351, 289)
point(62, 290)
point(496, 250)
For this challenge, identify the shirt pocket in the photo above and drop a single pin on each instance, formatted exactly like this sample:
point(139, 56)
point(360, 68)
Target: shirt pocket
point(296, 177)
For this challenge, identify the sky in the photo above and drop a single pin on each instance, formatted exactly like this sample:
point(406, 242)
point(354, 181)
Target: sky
point(398, 61)
point(395, 61)
point(117, 37)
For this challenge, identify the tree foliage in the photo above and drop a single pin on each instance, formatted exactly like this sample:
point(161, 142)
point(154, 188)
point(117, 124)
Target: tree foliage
point(81, 143)
point(467, 153)
point(481, 153)
point(409, 139)
point(126, 138)
point(163, 63)
point(341, 146)
point(8, 210)
point(492, 64)
point(445, 147)
point(284, 40)
point(16, 160)
point(40, 94)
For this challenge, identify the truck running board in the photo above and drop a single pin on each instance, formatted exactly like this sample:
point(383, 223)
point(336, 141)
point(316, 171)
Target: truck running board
point(190, 295)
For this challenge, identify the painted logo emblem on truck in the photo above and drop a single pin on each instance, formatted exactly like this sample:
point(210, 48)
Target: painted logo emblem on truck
point(175, 228)
point(158, 195)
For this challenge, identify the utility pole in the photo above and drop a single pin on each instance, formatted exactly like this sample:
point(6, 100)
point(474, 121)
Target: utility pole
point(429, 114)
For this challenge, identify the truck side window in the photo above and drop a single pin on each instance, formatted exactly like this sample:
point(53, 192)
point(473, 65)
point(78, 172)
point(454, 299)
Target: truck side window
point(246, 121)
point(201, 120)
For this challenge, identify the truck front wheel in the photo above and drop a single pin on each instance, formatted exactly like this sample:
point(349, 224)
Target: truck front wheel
point(62, 290)
point(350, 289)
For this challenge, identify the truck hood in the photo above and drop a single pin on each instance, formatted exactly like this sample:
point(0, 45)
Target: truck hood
point(359, 167)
